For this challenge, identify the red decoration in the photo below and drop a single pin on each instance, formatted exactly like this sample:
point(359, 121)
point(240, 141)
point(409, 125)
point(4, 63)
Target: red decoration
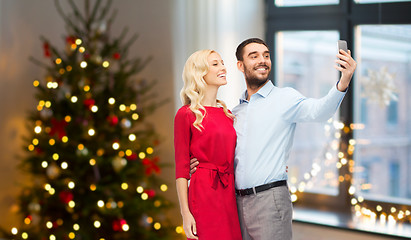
point(151, 166)
point(39, 150)
point(71, 39)
point(116, 56)
point(151, 193)
point(132, 157)
point(113, 120)
point(46, 48)
point(66, 196)
point(88, 103)
point(57, 128)
point(118, 224)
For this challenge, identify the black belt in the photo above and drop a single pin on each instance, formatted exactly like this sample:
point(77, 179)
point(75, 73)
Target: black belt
point(255, 190)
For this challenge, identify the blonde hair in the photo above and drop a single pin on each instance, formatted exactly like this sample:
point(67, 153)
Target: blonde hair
point(193, 92)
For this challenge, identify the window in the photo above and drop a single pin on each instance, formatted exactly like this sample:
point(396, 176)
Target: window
point(370, 169)
point(293, 3)
point(302, 58)
point(385, 53)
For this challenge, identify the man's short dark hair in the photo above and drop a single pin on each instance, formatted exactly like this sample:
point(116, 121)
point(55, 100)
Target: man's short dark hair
point(239, 52)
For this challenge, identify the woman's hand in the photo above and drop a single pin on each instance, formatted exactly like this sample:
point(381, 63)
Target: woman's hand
point(347, 68)
point(189, 225)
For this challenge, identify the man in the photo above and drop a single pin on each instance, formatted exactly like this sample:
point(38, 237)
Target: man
point(265, 122)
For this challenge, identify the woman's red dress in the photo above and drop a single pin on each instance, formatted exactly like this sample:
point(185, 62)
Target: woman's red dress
point(211, 193)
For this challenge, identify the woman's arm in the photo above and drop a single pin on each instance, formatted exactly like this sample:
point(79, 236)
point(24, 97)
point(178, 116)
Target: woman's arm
point(189, 223)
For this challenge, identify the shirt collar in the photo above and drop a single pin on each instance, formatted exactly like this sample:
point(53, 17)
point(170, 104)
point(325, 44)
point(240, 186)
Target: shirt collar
point(263, 92)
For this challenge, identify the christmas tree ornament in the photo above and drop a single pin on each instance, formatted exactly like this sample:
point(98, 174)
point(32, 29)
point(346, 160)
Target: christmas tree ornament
point(125, 123)
point(46, 48)
point(58, 128)
point(113, 120)
point(89, 103)
point(53, 171)
point(66, 196)
point(132, 157)
point(46, 113)
point(118, 163)
point(116, 56)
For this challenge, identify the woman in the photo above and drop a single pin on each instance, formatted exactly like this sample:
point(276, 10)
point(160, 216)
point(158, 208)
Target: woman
point(203, 128)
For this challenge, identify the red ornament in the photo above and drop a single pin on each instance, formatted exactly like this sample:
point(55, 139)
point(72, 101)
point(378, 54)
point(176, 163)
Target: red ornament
point(117, 224)
point(116, 56)
point(151, 193)
point(151, 166)
point(39, 151)
point(113, 120)
point(66, 196)
point(132, 157)
point(46, 48)
point(71, 39)
point(88, 103)
point(58, 128)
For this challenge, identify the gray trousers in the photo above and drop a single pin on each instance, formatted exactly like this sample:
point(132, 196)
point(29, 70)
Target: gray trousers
point(266, 215)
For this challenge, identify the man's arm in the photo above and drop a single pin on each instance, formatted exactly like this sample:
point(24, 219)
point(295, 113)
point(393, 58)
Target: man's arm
point(193, 165)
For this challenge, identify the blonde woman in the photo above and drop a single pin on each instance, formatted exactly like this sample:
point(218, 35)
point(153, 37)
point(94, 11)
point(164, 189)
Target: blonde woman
point(203, 128)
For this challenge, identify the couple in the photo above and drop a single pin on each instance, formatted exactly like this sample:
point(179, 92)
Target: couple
point(256, 203)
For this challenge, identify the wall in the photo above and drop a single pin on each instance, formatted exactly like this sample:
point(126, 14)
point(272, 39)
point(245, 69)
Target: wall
point(21, 24)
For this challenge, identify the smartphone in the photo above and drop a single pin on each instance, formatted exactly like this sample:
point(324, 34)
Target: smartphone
point(342, 45)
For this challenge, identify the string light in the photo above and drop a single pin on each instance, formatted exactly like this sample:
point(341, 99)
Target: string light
point(144, 196)
point(97, 224)
point(132, 137)
point(157, 226)
point(76, 227)
point(135, 116)
point(106, 64)
point(140, 189)
point(64, 165)
point(163, 187)
point(111, 101)
point(116, 145)
point(149, 150)
point(36, 83)
point(83, 64)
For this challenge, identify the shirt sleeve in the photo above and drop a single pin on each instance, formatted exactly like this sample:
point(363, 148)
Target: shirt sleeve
point(182, 136)
point(304, 109)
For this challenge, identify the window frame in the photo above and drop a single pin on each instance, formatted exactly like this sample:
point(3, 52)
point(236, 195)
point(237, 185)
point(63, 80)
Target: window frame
point(342, 17)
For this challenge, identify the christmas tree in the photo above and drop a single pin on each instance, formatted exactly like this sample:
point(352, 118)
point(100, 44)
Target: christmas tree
point(91, 153)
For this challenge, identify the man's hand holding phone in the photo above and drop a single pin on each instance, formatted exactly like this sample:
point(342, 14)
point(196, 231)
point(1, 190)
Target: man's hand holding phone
point(346, 65)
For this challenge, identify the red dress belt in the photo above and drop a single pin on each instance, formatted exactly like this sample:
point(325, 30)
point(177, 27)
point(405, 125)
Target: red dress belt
point(218, 175)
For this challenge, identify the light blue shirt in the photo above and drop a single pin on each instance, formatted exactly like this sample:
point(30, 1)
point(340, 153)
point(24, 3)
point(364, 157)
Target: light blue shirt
point(265, 128)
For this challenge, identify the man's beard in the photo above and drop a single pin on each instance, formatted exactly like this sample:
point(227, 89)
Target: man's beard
point(253, 80)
